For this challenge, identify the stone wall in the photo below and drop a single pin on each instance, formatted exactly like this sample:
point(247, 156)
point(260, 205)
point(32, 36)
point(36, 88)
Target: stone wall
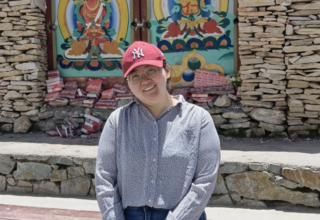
point(23, 63)
point(47, 175)
point(51, 116)
point(262, 185)
point(279, 48)
point(253, 184)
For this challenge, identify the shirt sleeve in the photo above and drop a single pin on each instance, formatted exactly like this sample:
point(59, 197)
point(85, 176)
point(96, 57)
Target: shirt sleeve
point(107, 193)
point(195, 201)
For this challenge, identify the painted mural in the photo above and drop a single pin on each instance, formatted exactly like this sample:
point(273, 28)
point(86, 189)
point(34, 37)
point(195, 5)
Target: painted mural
point(194, 34)
point(92, 36)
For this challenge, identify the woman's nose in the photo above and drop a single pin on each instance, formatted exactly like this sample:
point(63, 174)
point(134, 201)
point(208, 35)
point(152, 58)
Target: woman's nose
point(144, 79)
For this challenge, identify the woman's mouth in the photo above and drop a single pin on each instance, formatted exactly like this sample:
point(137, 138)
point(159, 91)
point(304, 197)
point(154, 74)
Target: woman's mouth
point(149, 88)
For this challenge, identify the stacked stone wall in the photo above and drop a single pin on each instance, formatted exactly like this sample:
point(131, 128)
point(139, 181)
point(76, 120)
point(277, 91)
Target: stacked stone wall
point(279, 49)
point(243, 184)
point(302, 51)
point(23, 63)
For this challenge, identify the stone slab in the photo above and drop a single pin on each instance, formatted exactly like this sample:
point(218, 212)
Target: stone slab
point(19, 33)
point(304, 12)
point(313, 6)
point(22, 2)
point(293, 49)
point(255, 3)
point(272, 151)
point(254, 185)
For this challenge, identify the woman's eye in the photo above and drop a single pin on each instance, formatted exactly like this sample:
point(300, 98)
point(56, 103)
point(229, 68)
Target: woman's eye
point(135, 76)
point(151, 71)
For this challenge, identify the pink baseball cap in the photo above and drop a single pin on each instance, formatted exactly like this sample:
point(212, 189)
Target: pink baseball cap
point(141, 53)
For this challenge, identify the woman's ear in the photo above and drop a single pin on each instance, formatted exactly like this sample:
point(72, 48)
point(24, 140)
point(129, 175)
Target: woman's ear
point(167, 69)
point(125, 82)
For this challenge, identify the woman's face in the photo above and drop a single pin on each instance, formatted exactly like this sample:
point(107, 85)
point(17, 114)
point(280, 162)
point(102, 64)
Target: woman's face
point(149, 90)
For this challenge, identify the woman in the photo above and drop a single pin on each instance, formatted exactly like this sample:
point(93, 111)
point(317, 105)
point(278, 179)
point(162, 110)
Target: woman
point(158, 156)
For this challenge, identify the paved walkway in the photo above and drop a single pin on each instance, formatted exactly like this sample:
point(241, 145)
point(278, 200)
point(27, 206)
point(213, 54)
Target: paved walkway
point(26, 207)
point(9, 212)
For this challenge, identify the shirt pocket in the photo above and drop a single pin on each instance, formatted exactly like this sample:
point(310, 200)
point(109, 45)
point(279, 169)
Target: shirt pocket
point(180, 151)
point(181, 141)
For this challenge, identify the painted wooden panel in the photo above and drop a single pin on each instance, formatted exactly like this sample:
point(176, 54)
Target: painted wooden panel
point(193, 34)
point(92, 36)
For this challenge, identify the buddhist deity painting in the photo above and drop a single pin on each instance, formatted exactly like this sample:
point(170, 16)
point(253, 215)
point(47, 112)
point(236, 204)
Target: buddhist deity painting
point(92, 36)
point(194, 34)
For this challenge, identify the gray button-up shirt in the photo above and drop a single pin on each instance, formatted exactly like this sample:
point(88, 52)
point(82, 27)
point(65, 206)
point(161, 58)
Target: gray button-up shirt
point(170, 162)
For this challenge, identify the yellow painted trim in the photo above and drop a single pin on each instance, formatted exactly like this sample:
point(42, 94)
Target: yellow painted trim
point(194, 54)
point(211, 66)
point(223, 6)
point(124, 19)
point(158, 9)
point(177, 70)
point(62, 20)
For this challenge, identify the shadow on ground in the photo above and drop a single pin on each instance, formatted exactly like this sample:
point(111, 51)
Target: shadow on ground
point(306, 145)
point(44, 138)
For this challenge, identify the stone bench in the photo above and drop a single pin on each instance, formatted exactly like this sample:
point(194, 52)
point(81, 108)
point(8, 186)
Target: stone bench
point(253, 172)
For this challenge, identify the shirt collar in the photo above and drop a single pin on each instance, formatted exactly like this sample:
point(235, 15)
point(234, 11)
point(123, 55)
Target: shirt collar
point(179, 98)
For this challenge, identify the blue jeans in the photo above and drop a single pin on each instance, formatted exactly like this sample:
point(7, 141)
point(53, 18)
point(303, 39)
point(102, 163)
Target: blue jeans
point(148, 213)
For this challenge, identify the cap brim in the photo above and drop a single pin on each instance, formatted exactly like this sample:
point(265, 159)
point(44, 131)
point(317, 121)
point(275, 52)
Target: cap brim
point(158, 63)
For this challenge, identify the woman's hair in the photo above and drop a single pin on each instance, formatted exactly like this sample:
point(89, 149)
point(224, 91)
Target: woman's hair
point(165, 65)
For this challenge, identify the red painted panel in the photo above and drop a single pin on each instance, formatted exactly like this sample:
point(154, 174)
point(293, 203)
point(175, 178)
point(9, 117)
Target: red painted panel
point(82, 81)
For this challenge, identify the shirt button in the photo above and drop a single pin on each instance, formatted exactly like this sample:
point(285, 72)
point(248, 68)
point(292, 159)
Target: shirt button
point(155, 123)
point(150, 200)
point(154, 160)
point(154, 139)
point(152, 181)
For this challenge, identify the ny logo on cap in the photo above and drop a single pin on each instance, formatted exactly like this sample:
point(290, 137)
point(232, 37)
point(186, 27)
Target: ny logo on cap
point(137, 53)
